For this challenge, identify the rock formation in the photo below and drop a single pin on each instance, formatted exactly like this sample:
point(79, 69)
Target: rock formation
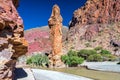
point(95, 18)
point(55, 25)
point(12, 42)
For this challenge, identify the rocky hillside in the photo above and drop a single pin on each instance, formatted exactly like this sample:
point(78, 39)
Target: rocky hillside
point(38, 39)
point(97, 23)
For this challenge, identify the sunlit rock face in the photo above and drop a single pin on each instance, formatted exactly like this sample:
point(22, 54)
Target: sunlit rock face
point(55, 25)
point(96, 24)
point(12, 42)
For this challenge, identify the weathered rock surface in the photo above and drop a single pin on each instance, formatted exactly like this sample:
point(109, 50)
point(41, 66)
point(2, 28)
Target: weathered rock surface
point(95, 24)
point(12, 42)
point(55, 25)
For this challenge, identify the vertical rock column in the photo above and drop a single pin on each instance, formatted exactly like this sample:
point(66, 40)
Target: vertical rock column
point(55, 25)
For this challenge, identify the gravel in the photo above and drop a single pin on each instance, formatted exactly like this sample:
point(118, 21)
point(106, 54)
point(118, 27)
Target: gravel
point(103, 66)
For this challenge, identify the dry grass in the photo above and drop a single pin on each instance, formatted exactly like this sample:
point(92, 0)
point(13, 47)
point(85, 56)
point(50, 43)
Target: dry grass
point(97, 75)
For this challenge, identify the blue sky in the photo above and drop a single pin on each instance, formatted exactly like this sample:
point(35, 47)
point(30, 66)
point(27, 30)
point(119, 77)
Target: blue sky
point(36, 13)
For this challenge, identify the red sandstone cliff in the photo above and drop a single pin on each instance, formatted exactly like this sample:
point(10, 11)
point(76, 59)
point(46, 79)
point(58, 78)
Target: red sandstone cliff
point(95, 24)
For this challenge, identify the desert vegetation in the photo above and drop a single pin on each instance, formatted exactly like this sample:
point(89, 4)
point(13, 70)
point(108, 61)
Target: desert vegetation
point(96, 55)
point(38, 60)
point(72, 59)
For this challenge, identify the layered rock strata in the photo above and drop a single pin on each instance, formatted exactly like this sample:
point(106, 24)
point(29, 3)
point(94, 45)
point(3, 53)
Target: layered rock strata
point(12, 42)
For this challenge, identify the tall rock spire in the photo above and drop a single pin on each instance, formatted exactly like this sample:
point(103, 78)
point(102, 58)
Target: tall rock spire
point(55, 25)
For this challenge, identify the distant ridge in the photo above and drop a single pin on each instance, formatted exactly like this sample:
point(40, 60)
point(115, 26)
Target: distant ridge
point(38, 39)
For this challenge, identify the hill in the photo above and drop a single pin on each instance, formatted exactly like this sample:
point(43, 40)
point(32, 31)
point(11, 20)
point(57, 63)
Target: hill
point(95, 24)
point(38, 39)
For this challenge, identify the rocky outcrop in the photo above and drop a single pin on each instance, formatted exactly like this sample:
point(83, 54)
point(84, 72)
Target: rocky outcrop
point(94, 18)
point(55, 25)
point(12, 42)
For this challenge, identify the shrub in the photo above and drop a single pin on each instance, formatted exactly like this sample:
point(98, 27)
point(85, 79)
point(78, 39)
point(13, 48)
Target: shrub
point(75, 60)
point(72, 61)
point(38, 60)
point(95, 58)
point(98, 48)
point(85, 53)
point(108, 57)
point(103, 51)
point(65, 59)
point(72, 53)
point(29, 61)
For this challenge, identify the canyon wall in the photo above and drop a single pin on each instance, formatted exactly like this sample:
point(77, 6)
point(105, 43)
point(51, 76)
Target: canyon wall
point(97, 23)
point(12, 42)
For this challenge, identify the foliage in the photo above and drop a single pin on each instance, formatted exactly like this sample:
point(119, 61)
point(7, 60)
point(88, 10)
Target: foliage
point(71, 59)
point(75, 60)
point(108, 57)
point(72, 53)
point(103, 51)
point(98, 48)
point(97, 54)
point(85, 53)
point(38, 60)
point(95, 58)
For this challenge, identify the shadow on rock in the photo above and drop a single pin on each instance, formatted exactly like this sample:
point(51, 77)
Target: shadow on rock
point(20, 73)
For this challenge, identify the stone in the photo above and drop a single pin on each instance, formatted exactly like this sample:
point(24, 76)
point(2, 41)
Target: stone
point(96, 23)
point(55, 25)
point(12, 42)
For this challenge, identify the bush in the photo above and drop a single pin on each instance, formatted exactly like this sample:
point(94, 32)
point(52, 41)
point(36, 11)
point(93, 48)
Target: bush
point(108, 57)
point(85, 53)
point(95, 58)
point(29, 61)
point(98, 48)
point(75, 60)
point(103, 51)
point(71, 59)
point(72, 53)
point(38, 60)
point(65, 59)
